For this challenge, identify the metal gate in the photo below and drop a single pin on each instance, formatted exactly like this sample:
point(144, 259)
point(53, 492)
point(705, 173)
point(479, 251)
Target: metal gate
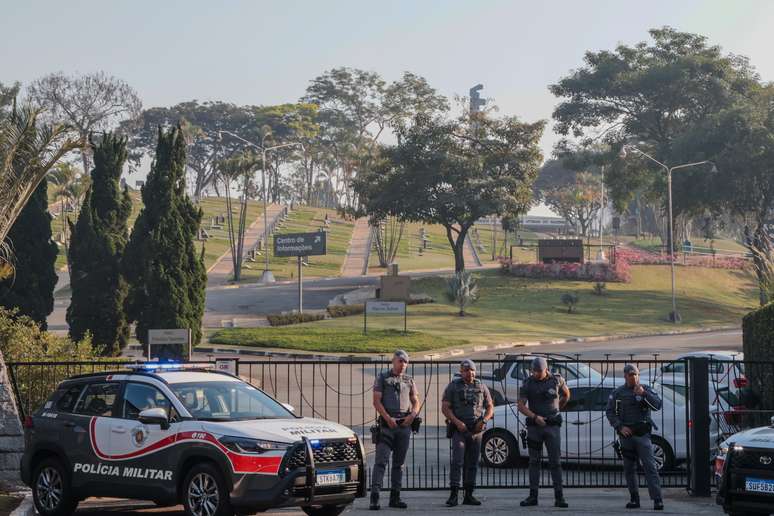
point(341, 391)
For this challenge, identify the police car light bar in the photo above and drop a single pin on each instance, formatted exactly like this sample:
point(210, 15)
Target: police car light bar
point(167, 366)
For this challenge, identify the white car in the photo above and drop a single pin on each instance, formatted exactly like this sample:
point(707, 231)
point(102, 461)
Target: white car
point(505, 381)
point(744, 468)
point(172, 435)
point(726, 374)
point(587, 437)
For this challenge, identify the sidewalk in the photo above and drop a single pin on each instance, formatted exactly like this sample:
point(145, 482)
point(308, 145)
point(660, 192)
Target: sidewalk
point(222, 270)
point(356, 261)
point(495, 501)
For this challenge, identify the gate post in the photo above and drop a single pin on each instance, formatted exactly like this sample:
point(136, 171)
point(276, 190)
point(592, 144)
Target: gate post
point(699, 471)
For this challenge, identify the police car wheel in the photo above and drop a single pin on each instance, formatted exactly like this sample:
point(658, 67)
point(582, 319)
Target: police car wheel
point(662, 454)
point(205, 493)
point(51, 489)
point(325, 510)
point(499, 449)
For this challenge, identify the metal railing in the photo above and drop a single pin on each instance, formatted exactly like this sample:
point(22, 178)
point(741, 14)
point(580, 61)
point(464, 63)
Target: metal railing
point(342, 392)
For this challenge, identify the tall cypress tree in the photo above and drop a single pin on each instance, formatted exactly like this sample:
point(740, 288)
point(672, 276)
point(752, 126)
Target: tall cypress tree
point(97, 245)
point(166, 276)
point(31, 287)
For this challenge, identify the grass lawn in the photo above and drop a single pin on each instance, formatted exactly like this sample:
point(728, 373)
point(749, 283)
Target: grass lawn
point(516, 309)
point(306, 219)
point(324, 337)
point(218, 244)
point(520, 254)
point(438, 255)
point(8, 503)
point(721, 245)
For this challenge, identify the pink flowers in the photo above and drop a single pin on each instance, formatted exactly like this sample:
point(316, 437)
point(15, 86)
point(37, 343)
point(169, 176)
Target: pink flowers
point(589, 271)
point(642, 257)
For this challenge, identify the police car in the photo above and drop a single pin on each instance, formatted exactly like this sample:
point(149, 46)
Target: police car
point(199, 437)
point(745, 467)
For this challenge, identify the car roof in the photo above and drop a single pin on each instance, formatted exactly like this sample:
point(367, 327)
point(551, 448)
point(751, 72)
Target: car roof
point(173, 377)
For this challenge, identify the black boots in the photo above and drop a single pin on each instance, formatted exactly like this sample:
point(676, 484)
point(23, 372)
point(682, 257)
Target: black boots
point(531, 500)
point(374, 501)
point(395, 501)
point(469, 499)
point(452, 501)
point(634, 502)
point(559, 500)
point(658, 505)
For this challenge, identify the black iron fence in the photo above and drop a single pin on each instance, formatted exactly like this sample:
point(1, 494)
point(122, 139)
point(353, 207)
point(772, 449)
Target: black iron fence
point(741, 395)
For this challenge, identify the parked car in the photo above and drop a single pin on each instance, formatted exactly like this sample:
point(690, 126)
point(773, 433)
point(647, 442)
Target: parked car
point(726, 371)
point(199, 437)
point(587, 437)
point(744, 468)
point(505, 381)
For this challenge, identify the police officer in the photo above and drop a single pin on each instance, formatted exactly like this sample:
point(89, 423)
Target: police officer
point(628, 410)
point(467, 406)
point(396, 401)
point(541, 397)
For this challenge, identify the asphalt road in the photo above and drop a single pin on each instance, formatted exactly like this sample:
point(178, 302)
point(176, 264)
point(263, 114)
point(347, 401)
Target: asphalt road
point(250, 301)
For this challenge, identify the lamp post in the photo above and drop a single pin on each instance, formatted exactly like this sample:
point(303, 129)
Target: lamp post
point(674, 316)
point(266, 275)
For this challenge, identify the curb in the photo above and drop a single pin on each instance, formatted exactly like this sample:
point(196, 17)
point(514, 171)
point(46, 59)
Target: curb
point(25, 508)
point(456, 352)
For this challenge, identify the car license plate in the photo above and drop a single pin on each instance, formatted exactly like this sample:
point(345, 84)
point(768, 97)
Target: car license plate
point(327, 478)
point(759, 485)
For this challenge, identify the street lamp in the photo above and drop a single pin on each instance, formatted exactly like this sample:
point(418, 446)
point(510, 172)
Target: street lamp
point(674, 316)
point(266, 275)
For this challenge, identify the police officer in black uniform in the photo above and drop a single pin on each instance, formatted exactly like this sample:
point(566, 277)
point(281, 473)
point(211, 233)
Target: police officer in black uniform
point(467, 406)
point(541, 397)
point(628, 410)
point(397, 402)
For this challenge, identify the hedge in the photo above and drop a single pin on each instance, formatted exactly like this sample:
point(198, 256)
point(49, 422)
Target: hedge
point(758, 346)
point(294, 318)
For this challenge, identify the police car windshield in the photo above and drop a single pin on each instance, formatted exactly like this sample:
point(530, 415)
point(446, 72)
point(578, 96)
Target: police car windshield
point(228, 401)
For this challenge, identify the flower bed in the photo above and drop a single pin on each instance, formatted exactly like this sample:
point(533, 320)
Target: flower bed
point(590, 271)
point(641, 257)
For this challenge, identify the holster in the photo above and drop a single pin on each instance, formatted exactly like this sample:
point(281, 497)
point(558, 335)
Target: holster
point(376, 433)
point(523, 437)
point(416, 424)
point(450, 428)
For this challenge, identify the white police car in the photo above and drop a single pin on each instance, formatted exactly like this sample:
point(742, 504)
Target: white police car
point(172, 435)
point(745, 471)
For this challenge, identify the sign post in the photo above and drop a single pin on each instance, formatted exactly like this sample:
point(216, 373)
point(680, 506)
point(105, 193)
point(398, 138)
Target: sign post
point(300, 245)
point(169, 337)
point(385, 308)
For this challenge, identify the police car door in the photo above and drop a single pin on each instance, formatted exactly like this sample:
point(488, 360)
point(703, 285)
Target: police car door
point(95, 409)
point(145, 453)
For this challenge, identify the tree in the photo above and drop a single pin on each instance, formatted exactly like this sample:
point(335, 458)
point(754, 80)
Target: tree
point(356, 108)
point(31, 287)
point(743, 138)
point(200, 124)
point(99, 238)
point(653, 93)
point(237, 169)
point(453, 172)
point(578, 201)
point(28, 150)
point(166, 276)
point(87, 103)
point(69, 187)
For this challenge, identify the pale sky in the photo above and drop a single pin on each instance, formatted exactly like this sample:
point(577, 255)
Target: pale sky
point(265, 52)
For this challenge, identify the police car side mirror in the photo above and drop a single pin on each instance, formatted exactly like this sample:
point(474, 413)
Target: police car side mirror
point(155, 416)
point(289, 407)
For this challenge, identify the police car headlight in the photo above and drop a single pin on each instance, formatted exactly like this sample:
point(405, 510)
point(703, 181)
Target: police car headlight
point(244, 445)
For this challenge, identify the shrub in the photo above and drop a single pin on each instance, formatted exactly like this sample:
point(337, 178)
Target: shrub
point(345, 310)
point(421, 300)
point(293, 318)
point(600, 288)
point(570, 299)
point(22, 340)
point(462, 289)
point(758, 346)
